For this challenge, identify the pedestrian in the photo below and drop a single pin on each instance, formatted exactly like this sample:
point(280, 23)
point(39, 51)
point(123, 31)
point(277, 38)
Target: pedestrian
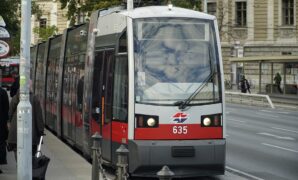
point(37, 123)
point(244, 85)
point(4, 106)
point(277, 80)
point(15, 85)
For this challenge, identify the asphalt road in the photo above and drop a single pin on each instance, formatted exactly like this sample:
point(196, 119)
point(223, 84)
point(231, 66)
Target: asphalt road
point(262, 143)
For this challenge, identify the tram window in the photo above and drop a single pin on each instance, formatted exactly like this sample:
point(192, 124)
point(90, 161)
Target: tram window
point(123, 43)
point(80, 88)
point(109, 58)
point(96, 95)
point(120, 94)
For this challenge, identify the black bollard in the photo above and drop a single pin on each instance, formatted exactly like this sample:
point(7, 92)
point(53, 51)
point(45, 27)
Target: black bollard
point(95, 149)
point(165, 173)
point(122, 162)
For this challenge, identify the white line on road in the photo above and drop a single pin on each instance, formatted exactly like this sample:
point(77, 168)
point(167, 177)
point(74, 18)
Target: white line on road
point(243, 173)
point(237, 120)
point(284, 129)
point(276, 136)
point(262, 114)
point(278, 147)
point(279, 112)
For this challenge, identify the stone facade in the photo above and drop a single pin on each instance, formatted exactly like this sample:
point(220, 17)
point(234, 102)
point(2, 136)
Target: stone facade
point(267, 30)
point(52, 15)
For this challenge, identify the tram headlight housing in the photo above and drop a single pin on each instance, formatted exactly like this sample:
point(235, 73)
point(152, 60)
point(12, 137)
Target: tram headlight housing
point(146, 121)
point(213, 120)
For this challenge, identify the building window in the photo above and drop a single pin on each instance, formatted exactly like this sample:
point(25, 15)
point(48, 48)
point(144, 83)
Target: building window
point(211, 8)
point(241, 14)
point(288, 12)
point(42, 22)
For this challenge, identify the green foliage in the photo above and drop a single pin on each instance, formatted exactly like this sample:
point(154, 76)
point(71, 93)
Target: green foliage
point(45, 33)
point(189, 4)
point(92, 5)
point(36, 10)
point(10, 10)
point(74, 7)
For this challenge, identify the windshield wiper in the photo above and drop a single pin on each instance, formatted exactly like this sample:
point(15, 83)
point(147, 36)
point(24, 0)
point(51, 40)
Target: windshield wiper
point(183, 104)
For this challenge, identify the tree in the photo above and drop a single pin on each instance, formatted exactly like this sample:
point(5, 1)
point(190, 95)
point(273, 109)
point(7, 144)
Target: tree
point(76, 7)
point(45, 32)
point(10, 10)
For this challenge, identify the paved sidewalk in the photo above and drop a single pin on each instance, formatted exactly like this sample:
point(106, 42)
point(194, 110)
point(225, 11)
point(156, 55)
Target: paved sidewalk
point(65, 164)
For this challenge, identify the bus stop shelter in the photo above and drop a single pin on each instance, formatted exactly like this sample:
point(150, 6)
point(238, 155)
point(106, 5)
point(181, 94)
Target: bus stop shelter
point(288, 61)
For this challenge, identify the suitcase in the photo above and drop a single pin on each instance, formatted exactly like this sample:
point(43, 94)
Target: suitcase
point(40, 163)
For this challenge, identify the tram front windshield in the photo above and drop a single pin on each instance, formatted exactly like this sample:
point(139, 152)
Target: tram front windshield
point(175, 59)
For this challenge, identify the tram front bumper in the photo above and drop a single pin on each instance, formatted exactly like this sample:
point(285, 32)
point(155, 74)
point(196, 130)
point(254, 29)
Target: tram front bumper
point(188, 158)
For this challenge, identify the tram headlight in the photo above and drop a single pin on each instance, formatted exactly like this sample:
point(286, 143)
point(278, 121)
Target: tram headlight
point(207, 121)
point(151, 122)
point(212, 120)
point(146, 121)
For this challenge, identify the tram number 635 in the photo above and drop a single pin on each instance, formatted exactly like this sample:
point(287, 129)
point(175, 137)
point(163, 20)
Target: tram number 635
point(179, 129)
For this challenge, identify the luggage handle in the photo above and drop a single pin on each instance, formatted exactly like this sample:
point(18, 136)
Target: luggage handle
point(38, 152)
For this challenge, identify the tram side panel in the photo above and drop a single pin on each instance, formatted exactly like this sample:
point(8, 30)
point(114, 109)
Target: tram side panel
point(52, 83)
point(109, 81)
point(33, 55)
point(39, 81)
point(72, 82)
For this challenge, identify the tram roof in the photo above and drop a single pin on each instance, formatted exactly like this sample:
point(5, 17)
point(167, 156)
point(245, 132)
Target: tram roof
point(269, 59)
point(164, 11)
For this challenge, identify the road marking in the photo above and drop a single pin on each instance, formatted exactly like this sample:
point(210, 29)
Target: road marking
point(262, 114)
point(237, 120)
point(279, 112)
point(264, 110)
point(243, 173)
point(278, 147)
point(284, 129)
point(276, 136)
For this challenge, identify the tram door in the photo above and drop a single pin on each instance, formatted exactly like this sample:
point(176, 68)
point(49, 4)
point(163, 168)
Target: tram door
point(106, 103)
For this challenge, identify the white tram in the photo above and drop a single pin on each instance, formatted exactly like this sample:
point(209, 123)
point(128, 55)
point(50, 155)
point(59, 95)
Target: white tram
point(152, 80)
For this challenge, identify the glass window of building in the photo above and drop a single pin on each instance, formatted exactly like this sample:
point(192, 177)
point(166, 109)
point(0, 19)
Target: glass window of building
point(288, 12)
point(241, 11)
point(42, 22)
point(211, 8)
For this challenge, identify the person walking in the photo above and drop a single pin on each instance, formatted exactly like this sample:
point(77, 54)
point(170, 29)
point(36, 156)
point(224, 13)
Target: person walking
point(37, 123)
point(277, 80)
point(4, 106)
point(244, 85)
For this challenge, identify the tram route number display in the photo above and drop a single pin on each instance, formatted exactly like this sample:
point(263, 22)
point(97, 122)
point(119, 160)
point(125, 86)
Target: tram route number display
point(179, 130)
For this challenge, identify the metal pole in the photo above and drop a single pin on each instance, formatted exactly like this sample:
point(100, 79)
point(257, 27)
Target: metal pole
point(122, 162)
point(24, 109)
point(260, 76)
point(205, 6)
point(95, 169)
point(129, 5)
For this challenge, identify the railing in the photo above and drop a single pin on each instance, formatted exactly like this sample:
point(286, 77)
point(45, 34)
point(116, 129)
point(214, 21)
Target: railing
point(250, 99)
